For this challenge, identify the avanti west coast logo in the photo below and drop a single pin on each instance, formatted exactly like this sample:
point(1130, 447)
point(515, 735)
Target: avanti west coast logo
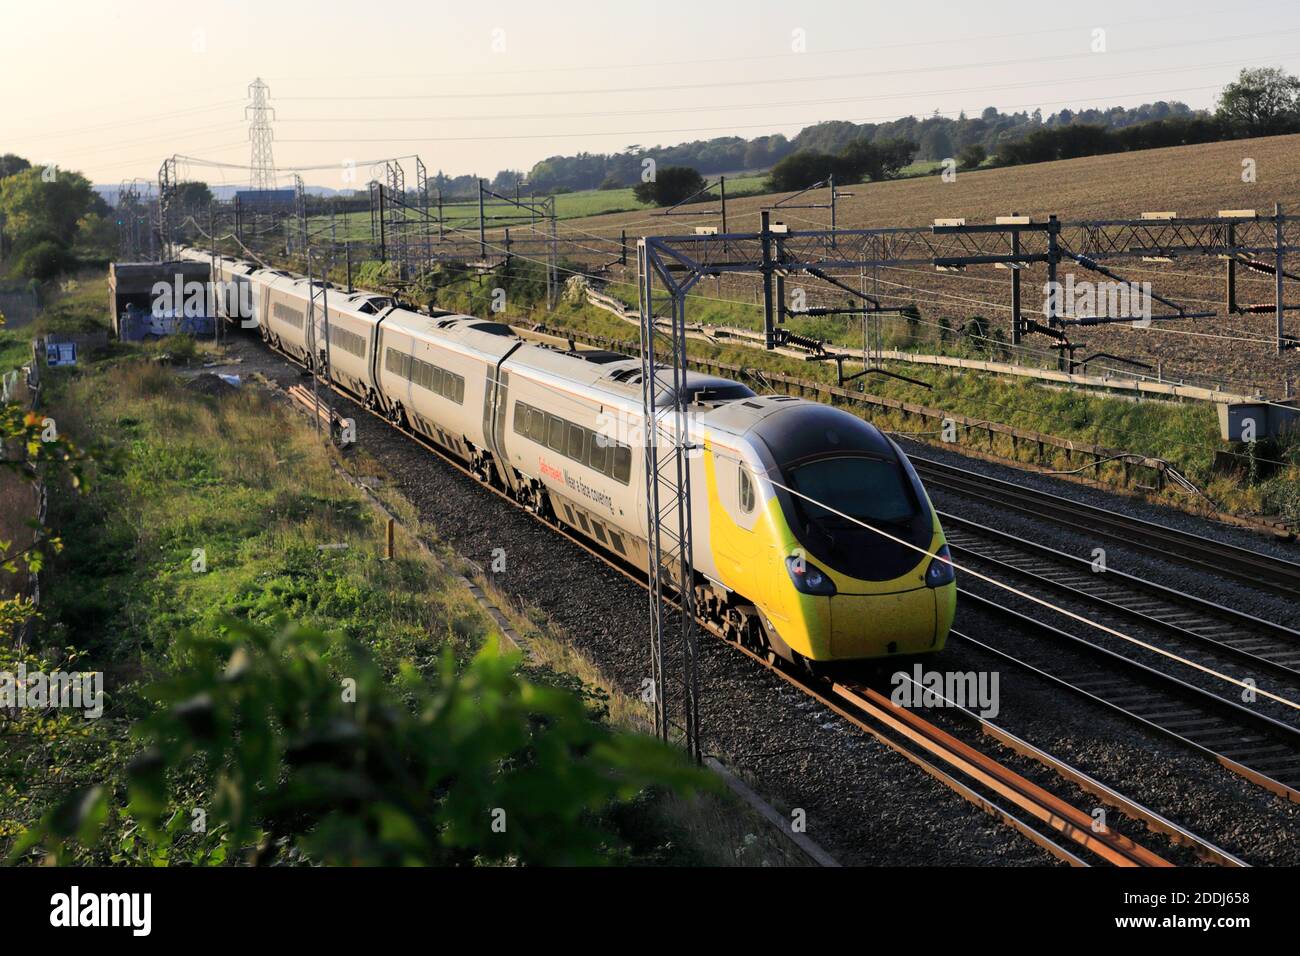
point(970, 690)
point(76, 909)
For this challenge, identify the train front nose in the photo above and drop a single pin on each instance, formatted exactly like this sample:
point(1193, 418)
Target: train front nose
point(915, 621)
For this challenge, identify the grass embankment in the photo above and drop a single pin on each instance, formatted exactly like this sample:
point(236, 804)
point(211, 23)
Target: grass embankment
point(205, 508)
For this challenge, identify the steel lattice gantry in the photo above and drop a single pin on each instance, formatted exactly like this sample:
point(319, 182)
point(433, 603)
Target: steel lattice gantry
point(667, 443)
point(1241, 238)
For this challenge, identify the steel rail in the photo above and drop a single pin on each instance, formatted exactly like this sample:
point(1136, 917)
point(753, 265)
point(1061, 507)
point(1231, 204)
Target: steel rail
point(1260, 748)
point(1242, 564)
point(1249, 638)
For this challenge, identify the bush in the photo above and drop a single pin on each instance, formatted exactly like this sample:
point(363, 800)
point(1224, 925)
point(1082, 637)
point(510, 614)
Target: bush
point(45, 260)
point(671, 185)
point(972, 156)
point(860, 159)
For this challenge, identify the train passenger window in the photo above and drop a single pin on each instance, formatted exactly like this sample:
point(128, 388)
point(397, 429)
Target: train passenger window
point(577, 442)
point(537, 426)
point(460, 390)
point(555, 435)
point(521, 418)
point(746, 491)
point(622, 463)
point(597, 454)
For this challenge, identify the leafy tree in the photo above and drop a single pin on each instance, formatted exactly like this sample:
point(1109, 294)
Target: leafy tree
point(41, 218)
point(972, 156)
point(671, 184)
point(193, 196)
point(800, 170)
point(45, 260)
point(611, 182)
point(874, 161)
point(1264, 100)
point(506, 180)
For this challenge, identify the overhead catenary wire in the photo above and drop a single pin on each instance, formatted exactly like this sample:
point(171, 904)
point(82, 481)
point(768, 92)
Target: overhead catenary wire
point(784, 80)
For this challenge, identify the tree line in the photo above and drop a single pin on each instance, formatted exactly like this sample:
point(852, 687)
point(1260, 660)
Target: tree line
point(1259, 102)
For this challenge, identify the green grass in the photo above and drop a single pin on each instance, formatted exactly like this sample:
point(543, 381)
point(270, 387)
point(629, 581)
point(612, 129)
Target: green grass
point(15, 349)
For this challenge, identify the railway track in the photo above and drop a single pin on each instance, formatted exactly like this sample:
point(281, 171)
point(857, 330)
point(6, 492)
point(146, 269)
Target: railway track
point(1243, 565)
point(1255, 746)
point(1041, 816)
point(1251, 645)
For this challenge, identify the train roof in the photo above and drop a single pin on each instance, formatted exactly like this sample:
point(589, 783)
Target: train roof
point(798, 429)
point(482, 335)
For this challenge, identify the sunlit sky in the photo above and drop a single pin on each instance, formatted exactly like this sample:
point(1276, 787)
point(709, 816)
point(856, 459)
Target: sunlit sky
point(111, 89)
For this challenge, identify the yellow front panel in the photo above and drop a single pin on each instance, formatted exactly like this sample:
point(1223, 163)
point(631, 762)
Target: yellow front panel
point(863, 619)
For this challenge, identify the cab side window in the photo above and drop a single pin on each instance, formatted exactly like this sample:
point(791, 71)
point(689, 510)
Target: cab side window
point(746, 491)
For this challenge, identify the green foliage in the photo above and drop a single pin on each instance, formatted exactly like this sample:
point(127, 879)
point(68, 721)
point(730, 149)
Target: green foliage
point(972, 156)
point(11, 164)
point(37, 211)
point(44, 260)
point(671, 185)
point(298, 749)
point(244, 716)
point(858, 159)
point(193, 196)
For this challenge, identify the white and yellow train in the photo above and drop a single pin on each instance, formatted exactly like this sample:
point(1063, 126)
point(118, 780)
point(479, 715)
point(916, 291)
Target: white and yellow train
point(798, 509)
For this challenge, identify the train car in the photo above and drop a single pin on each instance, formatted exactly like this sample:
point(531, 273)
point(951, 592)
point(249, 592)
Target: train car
point(235, 294)
point(347, 327)
point(807, 582)
point(818, 520)
point(570, 443)
point(438, 374)
point(283, 300)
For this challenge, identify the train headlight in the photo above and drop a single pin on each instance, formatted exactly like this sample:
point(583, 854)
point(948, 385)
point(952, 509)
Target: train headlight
point(807, 577)
point(940, 571)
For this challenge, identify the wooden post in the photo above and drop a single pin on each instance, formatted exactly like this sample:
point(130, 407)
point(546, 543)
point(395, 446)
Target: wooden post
point(388, 541)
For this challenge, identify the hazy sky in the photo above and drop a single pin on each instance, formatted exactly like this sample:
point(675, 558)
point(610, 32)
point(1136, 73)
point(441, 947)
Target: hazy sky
point(111, 88)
